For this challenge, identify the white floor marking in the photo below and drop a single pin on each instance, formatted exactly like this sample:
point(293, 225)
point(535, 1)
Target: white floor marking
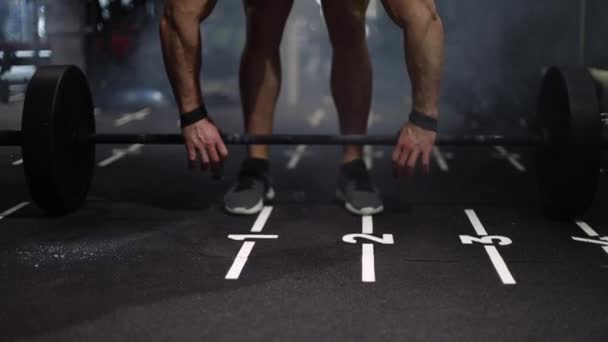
point(368, 265)
point(513, 158)
point(440, 160)
point(479, 229)
point(368, 269)
point(118, 154)
point(369, 154)
point(17, 162)
point(586, 228)
point(603, 241)
point(243, 237)
point(373, 119)
point(241, 258)
point(367, 225)
point(261, 220)
point(597, 242)
point(499, 264)
point(13, 209)
point(317, 117)
point(129, 117)
point(295, 156)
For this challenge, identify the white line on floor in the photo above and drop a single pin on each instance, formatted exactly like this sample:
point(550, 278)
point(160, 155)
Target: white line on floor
point(261, 220)
point(17, 162)
point(373, 119)
point(497, 260)
point(440, 160)
point(590, 231)
point(479, 229)
point(368, 269)
point(369, 154)
point(587, 229)
point(13, 209)
point(118, 154)
point(597, 242)
point(295, 156)
point(513, 158)
point(317, 117)
point(500, 266)
point(243, 237)
point(129, 117)
point(367, 224)
point(241, 258)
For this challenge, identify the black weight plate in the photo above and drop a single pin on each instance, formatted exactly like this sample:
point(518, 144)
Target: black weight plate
point(600, 77)
point(58, 166)
point(569, 118)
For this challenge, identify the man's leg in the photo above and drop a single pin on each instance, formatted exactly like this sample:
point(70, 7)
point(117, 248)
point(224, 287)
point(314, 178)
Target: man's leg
point(260, 76)
point(351, 76)
point(351, 85)
point(423, 42)
point(260, 84)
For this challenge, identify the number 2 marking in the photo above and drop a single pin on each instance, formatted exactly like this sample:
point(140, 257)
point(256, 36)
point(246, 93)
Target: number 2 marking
point(386, 239)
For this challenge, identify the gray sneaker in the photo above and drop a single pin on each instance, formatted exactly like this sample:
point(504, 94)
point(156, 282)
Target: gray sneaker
point(356, 190)
point(251, 189)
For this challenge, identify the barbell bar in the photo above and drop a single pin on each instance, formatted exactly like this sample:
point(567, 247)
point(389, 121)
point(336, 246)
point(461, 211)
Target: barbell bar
point(14, 138)
point(58, 138)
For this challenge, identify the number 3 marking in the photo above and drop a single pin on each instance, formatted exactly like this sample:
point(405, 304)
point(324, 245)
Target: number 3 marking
point(486, 240)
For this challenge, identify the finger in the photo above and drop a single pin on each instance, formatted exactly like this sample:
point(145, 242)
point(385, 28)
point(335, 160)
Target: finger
point(411, 162)
point(204, 158)
point(426, 161)
point(223, 151)
point(212, 153)
point(215, 161)
point(396, 153)
point(402, 161)
point(191, 150)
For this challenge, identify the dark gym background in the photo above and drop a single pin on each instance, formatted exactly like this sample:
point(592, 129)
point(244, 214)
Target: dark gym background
point(145, 259)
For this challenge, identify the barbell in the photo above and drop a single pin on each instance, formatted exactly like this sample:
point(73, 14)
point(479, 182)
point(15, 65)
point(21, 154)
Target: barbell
point(58, 138)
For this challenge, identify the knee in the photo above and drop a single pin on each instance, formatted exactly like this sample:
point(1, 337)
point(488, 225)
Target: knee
point(415, 13)
point(349, 33)
point(265, 24)
point(179, 12)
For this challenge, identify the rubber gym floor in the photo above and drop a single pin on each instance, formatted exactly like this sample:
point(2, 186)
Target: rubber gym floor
point(152, 256)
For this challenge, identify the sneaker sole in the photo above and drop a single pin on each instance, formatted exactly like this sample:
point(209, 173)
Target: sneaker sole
point(362, 211)
point(254, 209)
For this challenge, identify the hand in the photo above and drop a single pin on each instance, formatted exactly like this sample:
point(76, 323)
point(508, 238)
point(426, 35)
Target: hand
point(203, 140)
point(414, 144)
